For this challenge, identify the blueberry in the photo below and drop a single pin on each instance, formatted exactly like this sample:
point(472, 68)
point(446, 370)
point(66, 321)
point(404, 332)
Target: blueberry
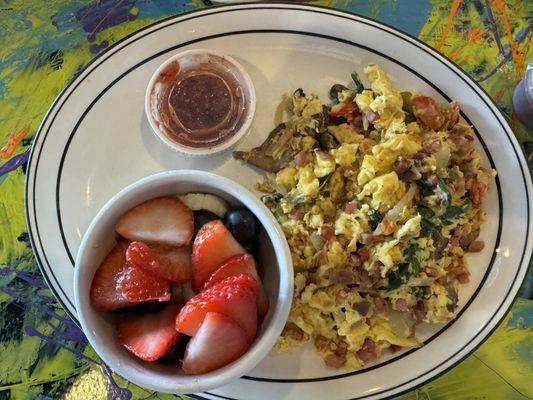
point(202, 217)
point(243, 225)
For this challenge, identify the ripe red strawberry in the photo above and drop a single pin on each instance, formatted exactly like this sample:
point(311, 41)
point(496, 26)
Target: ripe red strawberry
point(149, 336)
point(104, 295)
point(164, 220)
point(241, 264)
point(219, 341)
point(139, 286)
point(212, 245)
point(234, 297)
point(172, 263)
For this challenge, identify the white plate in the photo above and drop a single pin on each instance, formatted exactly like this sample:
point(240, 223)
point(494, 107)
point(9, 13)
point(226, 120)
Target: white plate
point(95, 140)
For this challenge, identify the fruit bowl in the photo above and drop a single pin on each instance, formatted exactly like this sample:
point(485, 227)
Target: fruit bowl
point(99, 327)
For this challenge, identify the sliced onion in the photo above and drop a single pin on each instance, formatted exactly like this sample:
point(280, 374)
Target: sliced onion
point(400, 323)
point(442, 157)
point(394, 213)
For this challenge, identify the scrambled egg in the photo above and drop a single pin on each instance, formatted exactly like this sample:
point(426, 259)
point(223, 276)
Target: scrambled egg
point(379, 222)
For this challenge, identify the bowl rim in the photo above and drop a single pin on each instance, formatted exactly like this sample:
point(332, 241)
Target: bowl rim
point(260, 348)
point(202, 151)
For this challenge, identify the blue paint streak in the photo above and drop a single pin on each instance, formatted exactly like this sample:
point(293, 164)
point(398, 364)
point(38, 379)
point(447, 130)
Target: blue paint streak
point(150, 9)
point(14, 163)
point(406, 15)
point(60, 336)
point(521, 317)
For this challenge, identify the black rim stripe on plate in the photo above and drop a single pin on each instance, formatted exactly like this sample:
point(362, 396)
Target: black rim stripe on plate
point(318, 10)
point(326, 378)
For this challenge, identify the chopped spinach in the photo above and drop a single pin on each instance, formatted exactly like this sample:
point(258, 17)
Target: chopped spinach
point(426, 224)
point(323, 181)
point(419, 291)
point(410, 266)
point(271, 198)
point(358, 85)
point(452, 295)
point(374, 218)
point(445, 195)
point(407, 104)
point(425, 212)
point(453, 211)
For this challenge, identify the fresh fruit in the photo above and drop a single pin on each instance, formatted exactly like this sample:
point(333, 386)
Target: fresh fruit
point(235, 297)
point(149, 336)
point(243, 225)
point(141, 308)
point(175, 354)
point(219, 341)
point(171, 263)
point(104, 295)
point(201, 218)
point(241, 264)
point(139, 286)
point(212, 245)
point(206, 202)
point(163, 220)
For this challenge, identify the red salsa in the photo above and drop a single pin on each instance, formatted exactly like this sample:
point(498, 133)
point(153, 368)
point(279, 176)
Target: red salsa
point(199, 104)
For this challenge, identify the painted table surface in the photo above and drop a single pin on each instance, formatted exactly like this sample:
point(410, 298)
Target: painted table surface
point(43, 44)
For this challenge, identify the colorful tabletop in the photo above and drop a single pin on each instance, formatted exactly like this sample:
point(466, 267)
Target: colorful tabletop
point(43, 45)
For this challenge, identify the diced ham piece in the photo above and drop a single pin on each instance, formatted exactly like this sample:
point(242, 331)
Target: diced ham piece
point(427, 111)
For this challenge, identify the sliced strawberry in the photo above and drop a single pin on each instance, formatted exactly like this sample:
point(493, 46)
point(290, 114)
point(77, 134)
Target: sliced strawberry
point(149, 336)
point(139, 286)
point(212, 245)
point(164, 220)
point(235, 297)
point(241, 264)
point(219, 341)
point(172, 263)
point(104, 295)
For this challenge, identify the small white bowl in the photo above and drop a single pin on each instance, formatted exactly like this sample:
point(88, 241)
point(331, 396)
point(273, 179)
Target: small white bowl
point(274, 262)
point(188, 60)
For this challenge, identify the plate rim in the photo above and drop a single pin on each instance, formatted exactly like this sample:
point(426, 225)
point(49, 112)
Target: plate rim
point(325, 37)
point(337, 13)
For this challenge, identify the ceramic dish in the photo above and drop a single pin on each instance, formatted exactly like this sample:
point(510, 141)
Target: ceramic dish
point(71, 175)
point(99, 327)
point(193, 61)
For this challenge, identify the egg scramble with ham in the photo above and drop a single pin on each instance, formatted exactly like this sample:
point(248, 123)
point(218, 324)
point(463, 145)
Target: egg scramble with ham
point(379, 194)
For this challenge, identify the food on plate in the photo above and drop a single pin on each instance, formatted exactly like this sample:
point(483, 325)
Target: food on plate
point(206, 202)
point(104, 294)
point(212, 245)
point(379, 194)
point(165, 262)
point(218, 341)
point(241, 264)
point(243, 225)
point(163, 221)
point(149, 336)
point(146, 279)
point(199, 99)
point(235, 297)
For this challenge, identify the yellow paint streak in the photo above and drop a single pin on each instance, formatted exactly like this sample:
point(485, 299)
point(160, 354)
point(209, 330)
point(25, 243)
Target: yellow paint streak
point(518, 59)
point(472, 36)
point(13, 141)
point(453, 10)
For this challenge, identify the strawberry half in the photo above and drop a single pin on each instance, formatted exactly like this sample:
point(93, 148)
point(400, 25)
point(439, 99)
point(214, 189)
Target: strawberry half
point(212, 245)
point(139, 286)
point(172, 263)
point(104, 295)
point(219, 341)
point(241, 264)
point(234, 297)
point(164, 220)
point(149, 336)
